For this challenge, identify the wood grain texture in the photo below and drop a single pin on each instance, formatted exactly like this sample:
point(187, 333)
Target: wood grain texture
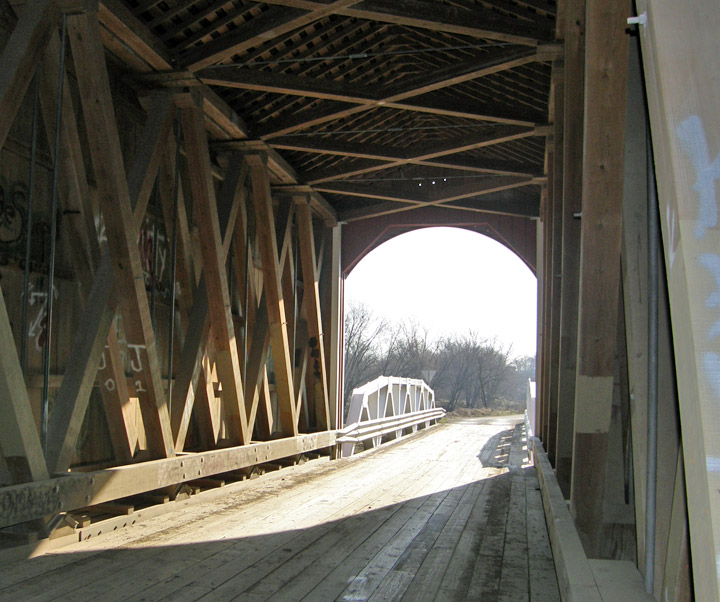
point(406, 520)
point(272, 272)
point(214, 270)
point(122, 235)
point(682, 91)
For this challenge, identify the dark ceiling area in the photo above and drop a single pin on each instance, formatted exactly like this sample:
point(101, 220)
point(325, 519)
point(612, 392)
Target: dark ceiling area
point(377, 106)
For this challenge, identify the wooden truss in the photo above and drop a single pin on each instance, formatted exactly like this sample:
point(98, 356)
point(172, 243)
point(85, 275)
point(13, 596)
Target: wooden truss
point(250, 356)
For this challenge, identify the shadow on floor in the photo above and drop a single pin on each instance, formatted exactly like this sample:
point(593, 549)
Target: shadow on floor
point(465, 543)
point(496, 453)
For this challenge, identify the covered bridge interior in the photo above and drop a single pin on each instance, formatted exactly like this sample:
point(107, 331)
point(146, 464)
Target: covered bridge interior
point(184, 185)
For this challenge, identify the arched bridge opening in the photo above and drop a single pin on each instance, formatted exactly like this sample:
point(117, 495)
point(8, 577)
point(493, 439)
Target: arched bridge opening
point(517, 233)
point(184, 185)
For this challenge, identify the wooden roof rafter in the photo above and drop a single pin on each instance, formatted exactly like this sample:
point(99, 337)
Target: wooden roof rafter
point(395, 156)
point(269, 24)
point(354, 89)
point(433, 16)
point(497, 135)
point(460, 197)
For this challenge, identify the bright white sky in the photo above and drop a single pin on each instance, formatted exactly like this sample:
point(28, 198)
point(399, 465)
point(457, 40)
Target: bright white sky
point(451, 281)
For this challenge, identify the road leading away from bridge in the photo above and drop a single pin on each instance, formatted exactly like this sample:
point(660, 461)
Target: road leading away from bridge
point(452, 513)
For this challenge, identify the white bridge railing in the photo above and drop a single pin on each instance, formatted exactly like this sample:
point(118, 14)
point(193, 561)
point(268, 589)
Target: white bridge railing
point(385, 409)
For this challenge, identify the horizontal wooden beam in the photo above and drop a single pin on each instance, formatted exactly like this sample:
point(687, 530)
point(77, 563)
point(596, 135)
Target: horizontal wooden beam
point(117, 19)
point(321, 207)
point(522, 207)
point(327, 146)
point(223, 121)
point(268, 25)
point(343, 101)
point(432, 16)
point(231, 76)
point(433, 195)
point(455, 74)
point(451, 107)
point(22, 503)
point(497, 135)
point(345, 97)
point(366, 191)
point(280, 170)
point(425, 103)
point(284, 177)
point(484, 186)
point(281, 83)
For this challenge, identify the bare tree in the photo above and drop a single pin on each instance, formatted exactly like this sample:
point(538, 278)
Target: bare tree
point(453, 360)
point(408, 350)
point(470, 369)
point(492, 370)
point(363, 346)
point(522, 369)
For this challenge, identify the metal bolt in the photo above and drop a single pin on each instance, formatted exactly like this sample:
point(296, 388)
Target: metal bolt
point(641, 19)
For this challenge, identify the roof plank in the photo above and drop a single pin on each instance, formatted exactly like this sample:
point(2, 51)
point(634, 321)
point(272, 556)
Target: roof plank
point(438, 17)
point(390, 154)
point(498, 135)
point(281, 83)
point(272, 23)
point(421, 85)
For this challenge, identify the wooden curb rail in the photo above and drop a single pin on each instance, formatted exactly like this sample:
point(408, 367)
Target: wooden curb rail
point(29, 501)
point(580, 579)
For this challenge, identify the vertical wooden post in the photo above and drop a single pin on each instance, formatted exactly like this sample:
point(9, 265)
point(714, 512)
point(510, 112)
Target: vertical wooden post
point(108, 163)
point(605, 93)
point(193, 376)
point(333, 323)
point(555, 195)
point(317, 374)
point(540, 353)
point(267, 242)
point(87, 349)
point(211, 246)
point(678, 49)
point(543, 394)
point(75, 197)
point(635, 290)
point(574, 31)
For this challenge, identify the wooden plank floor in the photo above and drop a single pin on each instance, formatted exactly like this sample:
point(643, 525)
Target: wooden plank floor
point(453, 513)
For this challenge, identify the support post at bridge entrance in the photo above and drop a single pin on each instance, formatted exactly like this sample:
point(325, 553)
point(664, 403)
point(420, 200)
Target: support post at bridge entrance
point(606, 88)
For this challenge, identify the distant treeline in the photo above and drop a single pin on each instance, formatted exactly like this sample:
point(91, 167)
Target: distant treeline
point(465, 370)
